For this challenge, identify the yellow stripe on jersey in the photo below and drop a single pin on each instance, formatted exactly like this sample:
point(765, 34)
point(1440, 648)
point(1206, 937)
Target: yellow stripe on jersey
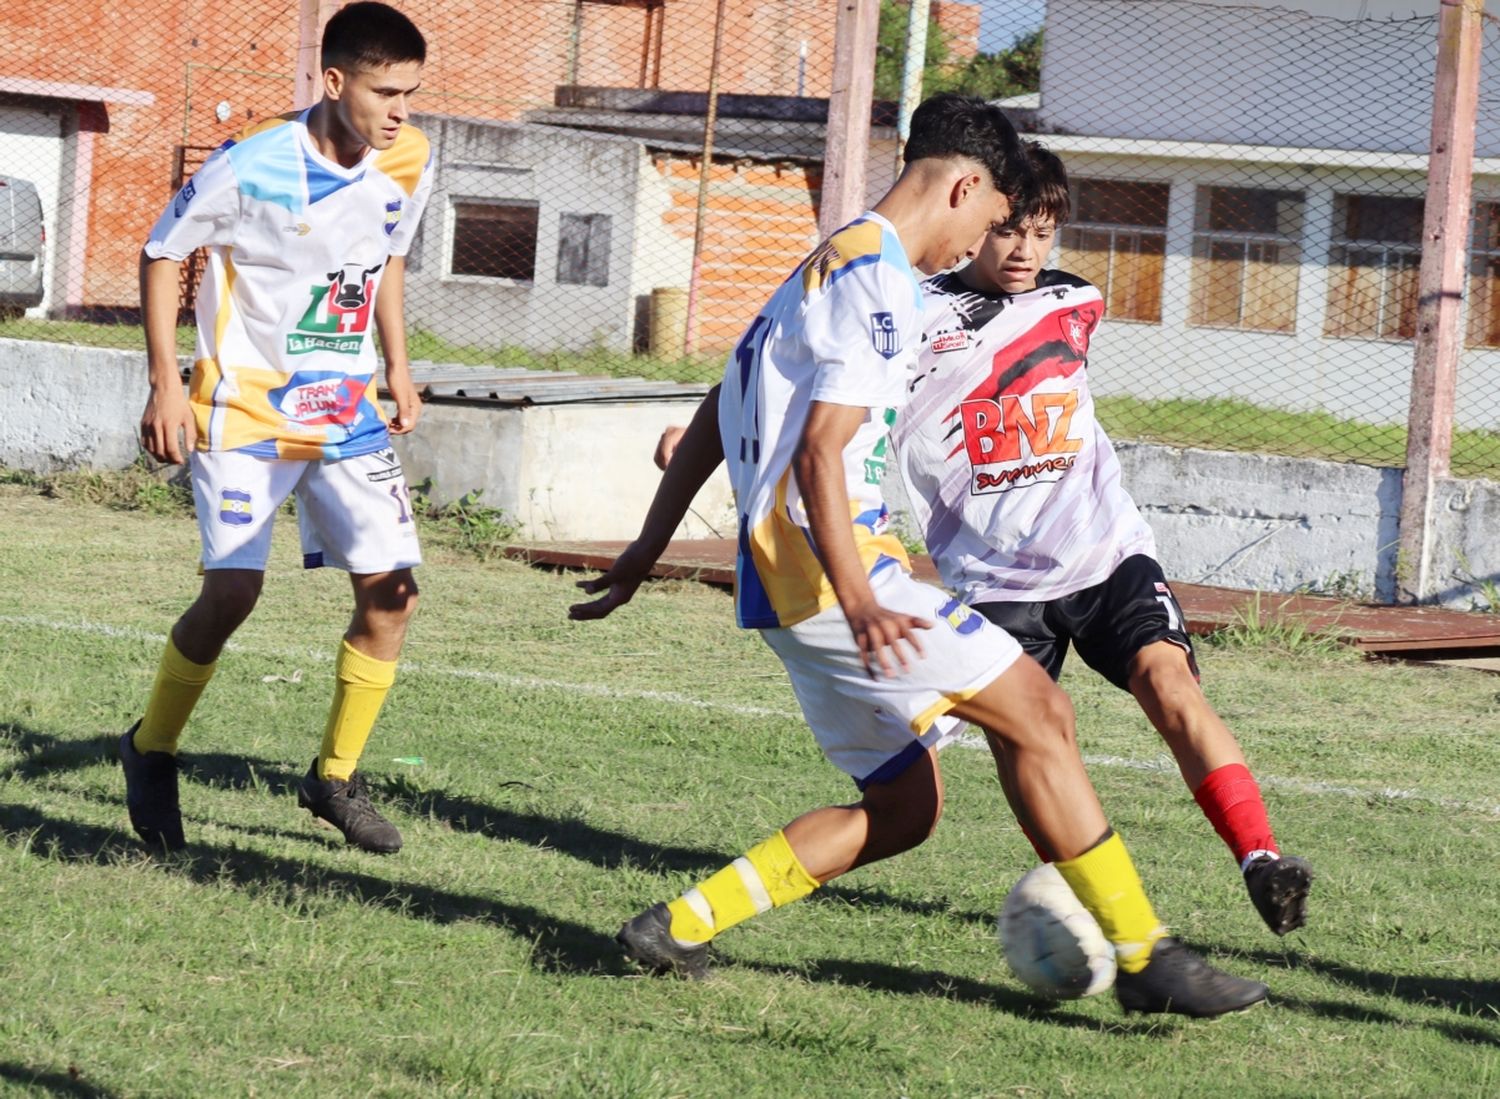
point(263, 125)
point(847, 245)
point(404, 160)
point(789, 569)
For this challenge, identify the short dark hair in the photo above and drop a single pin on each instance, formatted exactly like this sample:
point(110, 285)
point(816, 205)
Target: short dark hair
point(368, 35)
point(1050, 196)
point(950, 125)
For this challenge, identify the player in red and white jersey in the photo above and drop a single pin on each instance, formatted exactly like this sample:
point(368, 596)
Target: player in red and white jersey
point(1017, 492)
point(307, 219)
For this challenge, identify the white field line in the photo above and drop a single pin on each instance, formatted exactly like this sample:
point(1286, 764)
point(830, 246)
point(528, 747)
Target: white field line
point(1159, 765)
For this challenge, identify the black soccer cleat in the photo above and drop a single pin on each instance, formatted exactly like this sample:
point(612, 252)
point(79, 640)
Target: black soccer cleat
point(1279, 886)
point(151, 794)
point(346, 806)
point(648, 940)
point(1177, 981)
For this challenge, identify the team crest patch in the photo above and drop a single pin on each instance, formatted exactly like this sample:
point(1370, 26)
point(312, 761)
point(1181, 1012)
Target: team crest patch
point(960, 616)
point(234, 507)
point(184, 197)
point(392, 216)
point(1075, 329)
point(950, 341)
point(883, 335)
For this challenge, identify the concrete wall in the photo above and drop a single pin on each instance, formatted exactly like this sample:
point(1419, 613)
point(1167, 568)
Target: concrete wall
point(584, 472)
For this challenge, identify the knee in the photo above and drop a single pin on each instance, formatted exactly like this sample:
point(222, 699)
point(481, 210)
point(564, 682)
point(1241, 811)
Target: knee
point(391, 603)
point(1052, 723)
point(230, 596)
point(1165, 679)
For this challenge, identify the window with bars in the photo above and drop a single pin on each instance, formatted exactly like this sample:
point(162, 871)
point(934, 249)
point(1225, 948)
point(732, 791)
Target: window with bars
point(494, 240)
point(1484, 278)
point(1246, 258)
point(1374, 257)
point(1118, 241)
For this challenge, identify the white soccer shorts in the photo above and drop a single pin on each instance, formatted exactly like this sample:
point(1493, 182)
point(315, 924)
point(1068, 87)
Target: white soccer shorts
point(873, 729)
point(354, 514)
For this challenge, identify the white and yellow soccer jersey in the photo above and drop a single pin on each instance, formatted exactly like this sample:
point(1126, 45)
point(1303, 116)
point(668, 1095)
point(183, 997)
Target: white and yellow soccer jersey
point(841, 330)
point(1014, 485)
point(297, 247)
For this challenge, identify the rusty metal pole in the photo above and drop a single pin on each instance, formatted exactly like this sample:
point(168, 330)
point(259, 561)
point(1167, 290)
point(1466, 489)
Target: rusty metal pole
point(1445, 240)
point(846, 149)
point(690, 339)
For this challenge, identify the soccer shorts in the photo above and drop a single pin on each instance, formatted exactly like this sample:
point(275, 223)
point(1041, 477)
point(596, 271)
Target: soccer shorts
point(354, 514)
point(873, 729)
point(1108, 623)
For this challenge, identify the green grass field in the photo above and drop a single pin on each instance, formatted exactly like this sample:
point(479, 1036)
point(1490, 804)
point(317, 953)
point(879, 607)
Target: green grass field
point(572, 774)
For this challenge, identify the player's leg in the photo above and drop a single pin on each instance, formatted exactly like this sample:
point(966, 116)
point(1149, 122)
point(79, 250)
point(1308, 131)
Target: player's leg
point(236, 498)
point(1032, 721)
point(356, 515)
point(1131, 630)
point(890, 817)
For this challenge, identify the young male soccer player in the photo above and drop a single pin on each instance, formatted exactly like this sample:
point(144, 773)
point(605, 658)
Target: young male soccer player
point(883, 666)
point(1017, 493)
point(307, 218)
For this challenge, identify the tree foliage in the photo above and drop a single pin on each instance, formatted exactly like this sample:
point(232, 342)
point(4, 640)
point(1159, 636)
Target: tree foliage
point(1009, 72)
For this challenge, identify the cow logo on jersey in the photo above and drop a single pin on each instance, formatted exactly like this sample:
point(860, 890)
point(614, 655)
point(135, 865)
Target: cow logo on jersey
point(392, 216)
point(234, 507)
point(338, 315)
point(960, 616)
point(318, 398)
point(184, 196)
point(883, 335)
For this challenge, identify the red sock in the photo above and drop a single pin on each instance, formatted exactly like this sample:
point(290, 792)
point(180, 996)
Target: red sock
point(1230, 799)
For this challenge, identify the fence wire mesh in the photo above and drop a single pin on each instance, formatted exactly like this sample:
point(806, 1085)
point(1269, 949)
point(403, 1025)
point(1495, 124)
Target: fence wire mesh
point(1248, 185)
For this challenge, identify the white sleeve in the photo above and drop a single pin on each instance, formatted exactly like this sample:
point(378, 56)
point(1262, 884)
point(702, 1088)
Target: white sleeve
point(203, 213)
point(863, 333)
point(406, 228)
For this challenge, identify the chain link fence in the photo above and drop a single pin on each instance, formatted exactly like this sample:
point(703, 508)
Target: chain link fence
point(1248, 185)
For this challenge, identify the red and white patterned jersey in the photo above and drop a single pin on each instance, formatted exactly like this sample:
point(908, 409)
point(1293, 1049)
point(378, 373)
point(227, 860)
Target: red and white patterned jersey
point(1014, 485)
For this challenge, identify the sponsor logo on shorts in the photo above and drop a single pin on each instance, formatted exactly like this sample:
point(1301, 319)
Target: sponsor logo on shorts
point(234, 507)
point(390, 466)
point(961, 617)
point(1162, 588)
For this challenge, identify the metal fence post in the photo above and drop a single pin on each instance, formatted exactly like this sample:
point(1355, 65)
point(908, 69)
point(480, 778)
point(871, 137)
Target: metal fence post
point(1439, 337)
point(847, 147)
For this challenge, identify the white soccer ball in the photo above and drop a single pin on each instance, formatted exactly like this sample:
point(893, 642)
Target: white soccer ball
point(1051, 942)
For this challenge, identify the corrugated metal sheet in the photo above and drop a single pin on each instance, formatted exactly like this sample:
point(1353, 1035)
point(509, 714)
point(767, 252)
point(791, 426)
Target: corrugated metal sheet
point(518, 386)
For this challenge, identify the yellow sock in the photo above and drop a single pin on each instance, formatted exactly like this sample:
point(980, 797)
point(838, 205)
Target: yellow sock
point(360, 686)
point(1104, 880)
point(179, 682)
point(768, 875)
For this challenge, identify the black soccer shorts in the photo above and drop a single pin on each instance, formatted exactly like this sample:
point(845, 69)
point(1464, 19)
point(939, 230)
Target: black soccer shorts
point(1108, 623)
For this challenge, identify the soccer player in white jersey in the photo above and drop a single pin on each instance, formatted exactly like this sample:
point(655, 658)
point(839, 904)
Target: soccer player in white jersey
point(307, 219)
point(884, 667)
point(1017, 492)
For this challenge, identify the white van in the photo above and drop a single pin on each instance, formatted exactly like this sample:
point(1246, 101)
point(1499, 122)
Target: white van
point(23, 245)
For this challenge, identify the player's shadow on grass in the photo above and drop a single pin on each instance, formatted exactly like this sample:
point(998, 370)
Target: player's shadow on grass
point(39, 1081)
point(43, 754)
point(560, 945)
point(926, 982)
point(1480, 998)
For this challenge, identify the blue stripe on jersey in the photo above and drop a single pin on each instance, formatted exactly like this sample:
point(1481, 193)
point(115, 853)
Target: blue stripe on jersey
point(752, 606)
point(892, 252)
point(268, 167)
point(851, 265)
point(266, 448)
point(321, 182)
point(360, 444)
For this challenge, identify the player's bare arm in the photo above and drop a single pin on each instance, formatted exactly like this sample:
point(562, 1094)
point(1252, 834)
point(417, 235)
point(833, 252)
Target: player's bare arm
point(390, 322)
point(699, 452)
point(167, 415)
point(818, 465)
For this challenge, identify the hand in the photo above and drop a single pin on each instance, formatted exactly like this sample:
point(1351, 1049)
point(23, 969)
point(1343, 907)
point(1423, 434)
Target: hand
point(618, 583)
point(168, 413)
point(399, 388)
point(877, 629)
point(666, 446)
